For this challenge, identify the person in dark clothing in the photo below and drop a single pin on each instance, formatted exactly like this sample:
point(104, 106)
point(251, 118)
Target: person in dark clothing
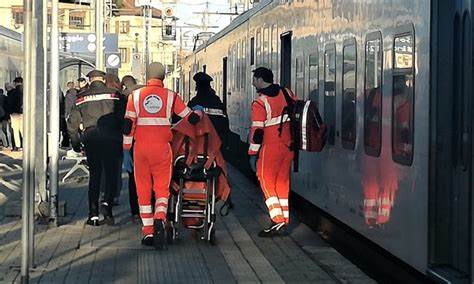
point(129, 84)
point(82, 85)
point(5, 134)
point(207, 101)
point(101, 110)
point(15, 106)
point(70, 98)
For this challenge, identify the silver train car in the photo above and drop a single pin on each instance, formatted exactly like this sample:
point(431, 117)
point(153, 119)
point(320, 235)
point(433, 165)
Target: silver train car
point(11, 59)
point(393, 80)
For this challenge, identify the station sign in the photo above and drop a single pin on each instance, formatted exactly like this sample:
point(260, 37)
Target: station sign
point(86, 43)
point(113, 60)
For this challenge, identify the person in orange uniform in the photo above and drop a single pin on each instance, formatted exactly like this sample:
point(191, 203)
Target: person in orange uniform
point(270, 139)
point(148, 124)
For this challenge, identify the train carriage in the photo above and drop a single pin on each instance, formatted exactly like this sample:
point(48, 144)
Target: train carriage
point(393, 81)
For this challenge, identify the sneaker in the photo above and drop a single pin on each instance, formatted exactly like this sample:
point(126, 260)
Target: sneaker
point(93, 221)
point(106, 210)
point(147, 240)
point(275, 229)
point(159, 236)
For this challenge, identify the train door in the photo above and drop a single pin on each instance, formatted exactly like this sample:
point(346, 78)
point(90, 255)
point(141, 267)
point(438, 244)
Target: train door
point(224, 83)
point(451, 175)
point(285, 68)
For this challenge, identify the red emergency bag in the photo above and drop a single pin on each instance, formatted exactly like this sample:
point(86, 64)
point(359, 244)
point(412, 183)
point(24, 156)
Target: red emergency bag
point(308, 131)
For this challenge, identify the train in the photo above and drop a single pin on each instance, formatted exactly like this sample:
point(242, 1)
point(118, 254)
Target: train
point(11, 61)
point(393, 82)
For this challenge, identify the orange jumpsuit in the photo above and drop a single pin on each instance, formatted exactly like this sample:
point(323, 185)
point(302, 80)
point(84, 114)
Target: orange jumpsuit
point(149, 111)
point(274, 154)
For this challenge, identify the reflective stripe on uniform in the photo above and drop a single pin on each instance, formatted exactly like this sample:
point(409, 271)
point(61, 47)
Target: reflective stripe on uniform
point(147, 221)
point(162, 200)
point(145, 209)
point(130, 114)
point(153, 121)
point(161, 209)
point(283, 202)
point(272, 201)
point(94, 98)
point(254, 147)
point(214, 111)
point(277, 120)
point(286, 214)
point(257, 124)
point(136, 101)
point(169, 103)
point(185, 112)
point(275, 212)
point(384, 212)
point(127, 139)
point(370, 202)
point(386, 201)
point(268, 108)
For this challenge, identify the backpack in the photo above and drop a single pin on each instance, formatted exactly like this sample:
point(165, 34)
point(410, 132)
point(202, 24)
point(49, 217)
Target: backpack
point(308, 131)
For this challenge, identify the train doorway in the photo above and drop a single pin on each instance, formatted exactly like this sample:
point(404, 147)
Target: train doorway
point(285, 75)
point(451, 174)
point(224, 83)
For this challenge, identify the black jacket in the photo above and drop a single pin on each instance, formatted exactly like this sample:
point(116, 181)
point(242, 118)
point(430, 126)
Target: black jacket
point(15, 100)
point(213, 106)
point(101, 111)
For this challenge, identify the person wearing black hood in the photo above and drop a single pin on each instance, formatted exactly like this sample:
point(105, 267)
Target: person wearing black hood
point(270, 154)
point(207, 101)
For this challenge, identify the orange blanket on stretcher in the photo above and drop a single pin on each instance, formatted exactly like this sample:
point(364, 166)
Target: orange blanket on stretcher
point(196, 146)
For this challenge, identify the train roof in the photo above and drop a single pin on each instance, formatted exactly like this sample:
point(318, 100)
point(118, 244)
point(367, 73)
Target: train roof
point(4, 32)
point(235, 23)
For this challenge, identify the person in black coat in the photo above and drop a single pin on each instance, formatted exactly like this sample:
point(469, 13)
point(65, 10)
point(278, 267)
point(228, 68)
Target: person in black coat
point(101, 111)
point(207, 101)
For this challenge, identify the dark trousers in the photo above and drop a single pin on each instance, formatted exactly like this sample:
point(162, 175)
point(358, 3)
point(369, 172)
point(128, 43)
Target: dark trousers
point(103, 157)
point(132, 194)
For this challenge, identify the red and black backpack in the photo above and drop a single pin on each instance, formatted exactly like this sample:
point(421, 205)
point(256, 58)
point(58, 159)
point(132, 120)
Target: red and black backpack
point(308, 131)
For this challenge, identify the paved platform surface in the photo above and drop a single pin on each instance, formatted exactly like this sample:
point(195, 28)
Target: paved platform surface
point(75, 253)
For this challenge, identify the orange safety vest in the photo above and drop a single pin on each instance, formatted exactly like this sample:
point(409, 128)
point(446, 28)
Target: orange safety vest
point(267, 115)
point(150, 109)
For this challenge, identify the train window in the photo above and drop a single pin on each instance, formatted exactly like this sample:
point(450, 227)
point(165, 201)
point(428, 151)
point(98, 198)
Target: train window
point(243, 64)
point(402, 99)
point(313, 77)
point(237, 63)
point(373, 94)
point(349, 87)
point(330, 91)
point(266, 45)
point(258, 48)
point(274, 50)
point(299, 82)
point(252, 51)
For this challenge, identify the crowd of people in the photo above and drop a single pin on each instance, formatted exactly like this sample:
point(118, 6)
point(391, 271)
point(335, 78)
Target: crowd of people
point(11, 115)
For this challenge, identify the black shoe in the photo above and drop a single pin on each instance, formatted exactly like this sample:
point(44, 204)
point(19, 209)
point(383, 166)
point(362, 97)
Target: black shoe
point(275, 229)
point(147, 240)
point(93, 221)
point(106, 210)
point(159, 234)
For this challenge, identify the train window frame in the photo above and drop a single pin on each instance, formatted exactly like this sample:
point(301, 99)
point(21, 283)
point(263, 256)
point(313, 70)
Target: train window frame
point(243, 65)
point(402, 31)
point(331, 128)
point(258, 52)
point(373, 151)
point(310, 78)
point(274, 49)
point(349, 144)
point(252, 51)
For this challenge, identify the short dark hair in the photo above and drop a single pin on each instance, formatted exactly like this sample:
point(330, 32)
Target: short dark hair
point(81, 80)
point(128, 80)
point(264, 73)
point(18, 80)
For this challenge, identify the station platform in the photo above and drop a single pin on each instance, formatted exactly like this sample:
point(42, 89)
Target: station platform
point(76, 253)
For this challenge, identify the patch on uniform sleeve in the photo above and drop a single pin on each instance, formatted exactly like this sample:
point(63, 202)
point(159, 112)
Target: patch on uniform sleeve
point(152, 104)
